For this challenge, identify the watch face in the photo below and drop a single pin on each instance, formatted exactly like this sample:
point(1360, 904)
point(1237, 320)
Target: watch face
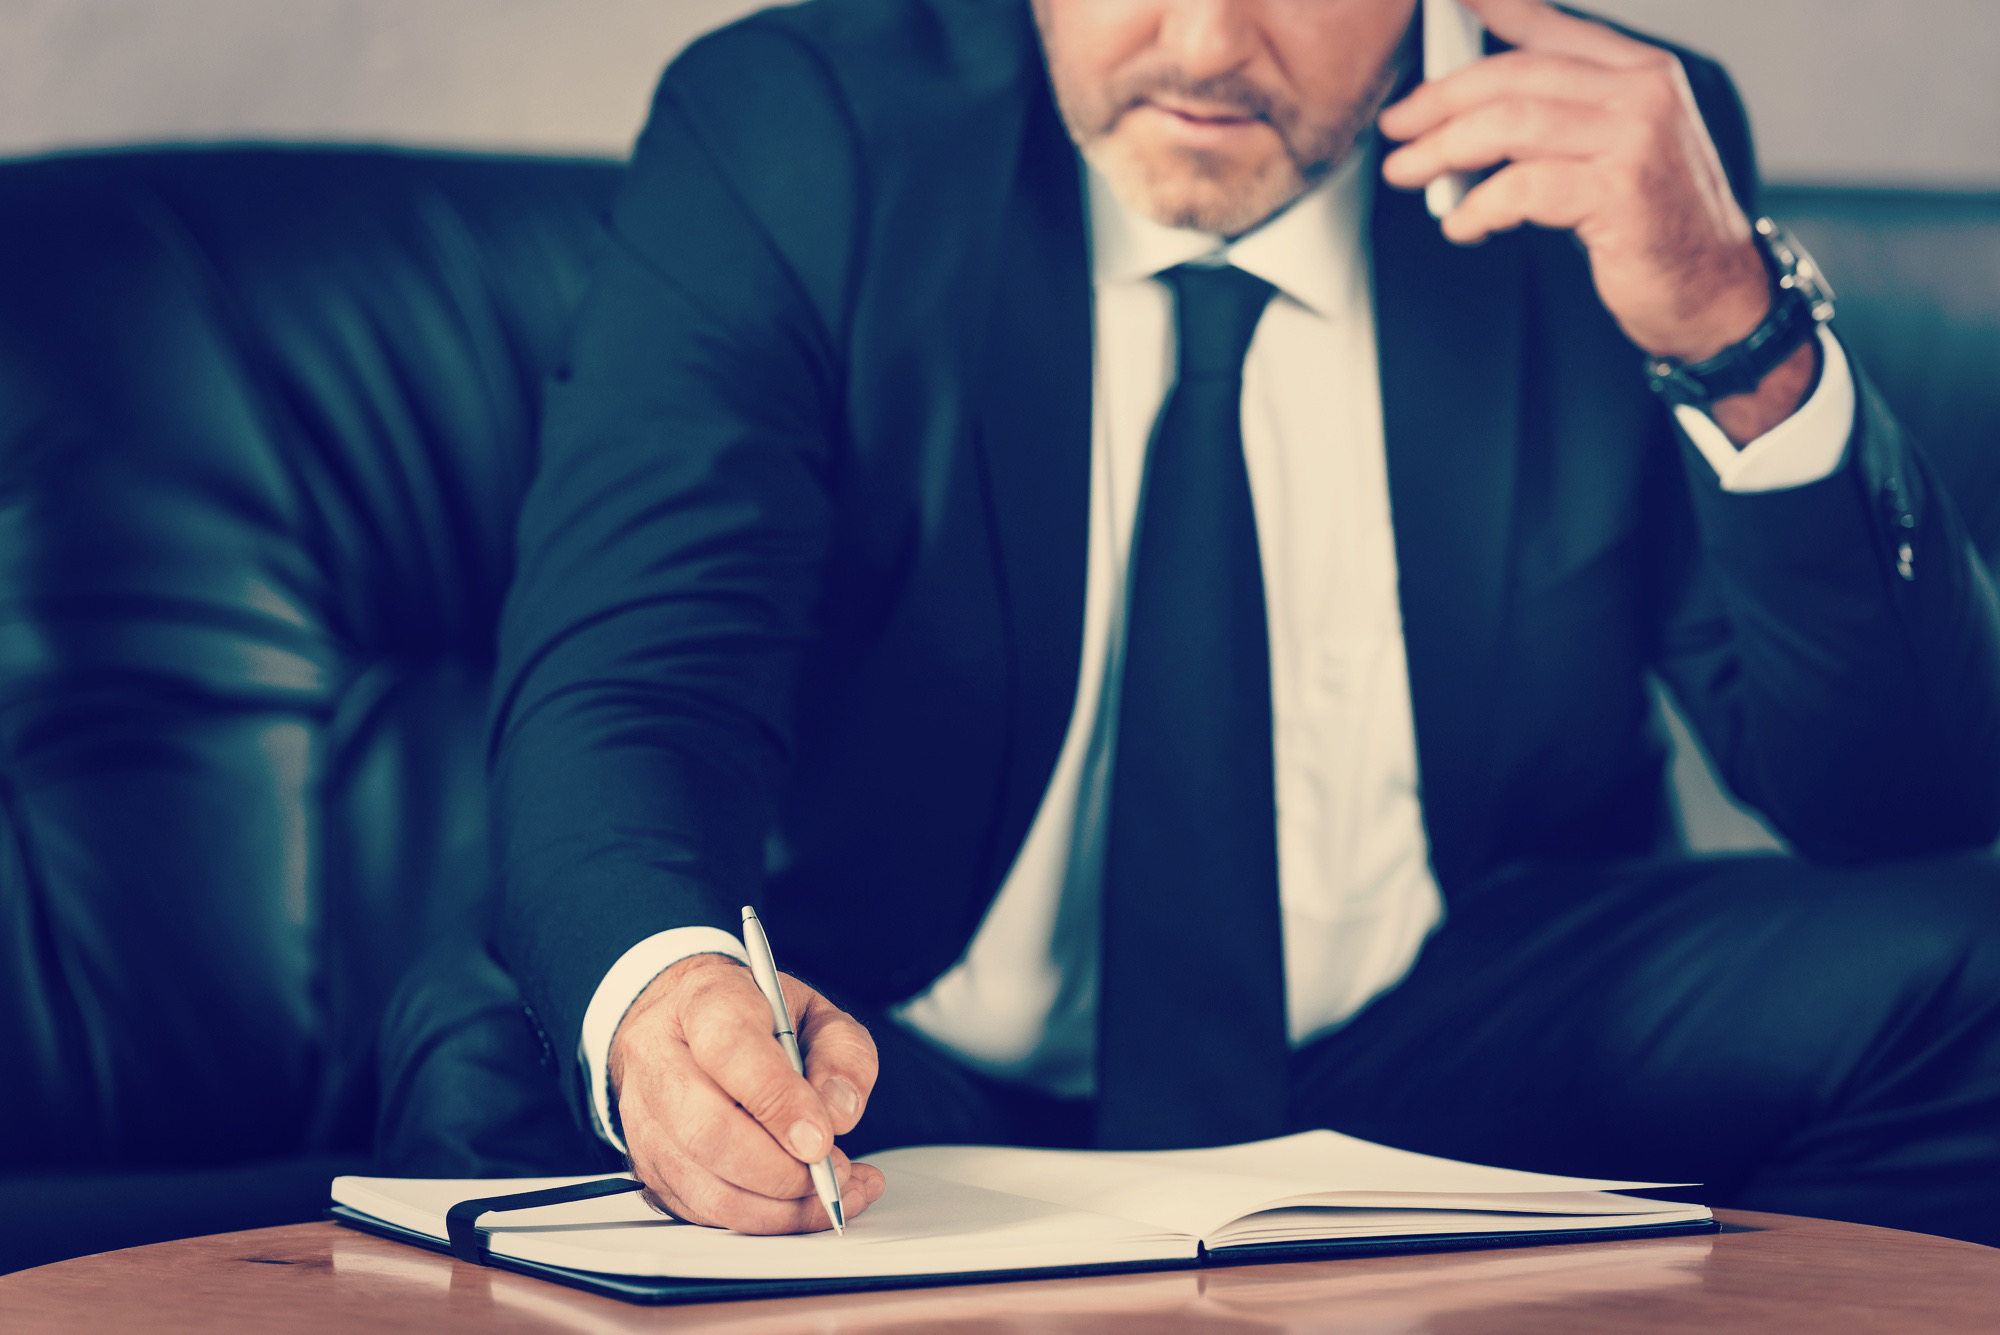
point(1796, 269)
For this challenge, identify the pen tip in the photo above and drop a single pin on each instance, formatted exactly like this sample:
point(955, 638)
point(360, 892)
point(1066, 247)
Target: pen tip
point(839, 1217)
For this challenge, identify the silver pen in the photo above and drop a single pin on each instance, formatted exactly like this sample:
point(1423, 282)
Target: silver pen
point(764, 969)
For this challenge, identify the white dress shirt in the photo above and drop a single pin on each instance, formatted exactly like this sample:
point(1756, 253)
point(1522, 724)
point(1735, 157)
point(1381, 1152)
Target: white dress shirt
point(1357, 893)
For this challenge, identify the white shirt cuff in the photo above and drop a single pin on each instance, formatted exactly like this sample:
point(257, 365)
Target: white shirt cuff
point(1805, 447)
point(621, 987)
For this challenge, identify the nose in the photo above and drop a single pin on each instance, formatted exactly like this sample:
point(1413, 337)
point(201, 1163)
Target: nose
point(1210, 37)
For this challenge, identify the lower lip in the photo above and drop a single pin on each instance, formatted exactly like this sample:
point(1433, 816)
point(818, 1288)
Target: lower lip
point(1199, 130)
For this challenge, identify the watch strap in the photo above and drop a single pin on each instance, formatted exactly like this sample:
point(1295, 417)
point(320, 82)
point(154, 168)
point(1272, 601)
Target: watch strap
point(1800, 302)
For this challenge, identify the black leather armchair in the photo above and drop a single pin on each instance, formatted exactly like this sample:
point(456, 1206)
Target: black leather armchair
point(1917, 277)
point(265, 415)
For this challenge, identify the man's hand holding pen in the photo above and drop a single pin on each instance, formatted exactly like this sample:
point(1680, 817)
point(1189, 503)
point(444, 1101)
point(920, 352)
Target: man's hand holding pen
point(718, 1125)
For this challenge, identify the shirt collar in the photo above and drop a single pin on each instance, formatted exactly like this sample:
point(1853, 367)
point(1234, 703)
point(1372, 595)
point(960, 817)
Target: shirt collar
point(1309, 252)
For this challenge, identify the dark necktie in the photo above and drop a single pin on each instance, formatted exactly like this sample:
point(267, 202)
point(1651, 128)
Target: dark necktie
point(1191, 1030)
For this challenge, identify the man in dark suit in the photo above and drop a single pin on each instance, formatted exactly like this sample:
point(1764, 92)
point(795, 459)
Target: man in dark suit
point(1096, 805)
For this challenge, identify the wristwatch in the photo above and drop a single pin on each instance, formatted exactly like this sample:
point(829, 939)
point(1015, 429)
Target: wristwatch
point(1801, 301)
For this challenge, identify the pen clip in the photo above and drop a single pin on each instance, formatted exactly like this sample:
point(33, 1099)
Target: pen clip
point(764, 968)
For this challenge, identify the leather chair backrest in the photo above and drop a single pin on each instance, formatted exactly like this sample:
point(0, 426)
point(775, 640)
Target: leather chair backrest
point(265, 419)
point(1916, 279)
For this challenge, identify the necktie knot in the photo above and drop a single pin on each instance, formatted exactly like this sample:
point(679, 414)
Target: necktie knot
point(1216, 309)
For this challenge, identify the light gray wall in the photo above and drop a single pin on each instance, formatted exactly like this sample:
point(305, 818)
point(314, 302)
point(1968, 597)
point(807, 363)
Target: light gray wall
point(556, 75)
point(1847, 90)
point(1886, 91)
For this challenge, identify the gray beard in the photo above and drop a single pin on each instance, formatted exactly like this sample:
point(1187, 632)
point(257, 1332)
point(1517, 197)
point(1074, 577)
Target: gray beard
point(1184, 190)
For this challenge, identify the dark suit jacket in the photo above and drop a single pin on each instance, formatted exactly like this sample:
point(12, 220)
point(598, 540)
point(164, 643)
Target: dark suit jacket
point(798, 614)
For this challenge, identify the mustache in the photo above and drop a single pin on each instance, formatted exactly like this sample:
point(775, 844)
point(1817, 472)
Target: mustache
point(1231, 91)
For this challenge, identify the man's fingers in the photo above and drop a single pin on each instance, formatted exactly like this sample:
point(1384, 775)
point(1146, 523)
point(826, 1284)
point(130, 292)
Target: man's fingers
point(1509, 128)
point(1550, 193)
point(1509, 74)
point(718, 1124)
point(840, 1058)
point(706, 1200)
point(1534, 26)
point(689, 1191)
point(864, 1187)
point(712, 1130)
point(733, 1044)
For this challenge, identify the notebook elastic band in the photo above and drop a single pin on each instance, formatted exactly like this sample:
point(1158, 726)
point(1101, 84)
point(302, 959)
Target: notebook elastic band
point(461, 1221)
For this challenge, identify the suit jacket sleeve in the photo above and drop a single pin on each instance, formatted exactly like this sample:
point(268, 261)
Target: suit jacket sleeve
point(670, 547)
point(1841, 656)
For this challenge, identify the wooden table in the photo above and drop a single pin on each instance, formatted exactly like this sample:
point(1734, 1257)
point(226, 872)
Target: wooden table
point(1766, 1273)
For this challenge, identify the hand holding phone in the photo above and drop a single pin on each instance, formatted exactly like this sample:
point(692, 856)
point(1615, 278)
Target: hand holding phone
point(1588, 130)
point(1453, 39)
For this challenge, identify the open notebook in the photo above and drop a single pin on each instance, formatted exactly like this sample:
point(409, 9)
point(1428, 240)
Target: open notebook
point(956, 1212)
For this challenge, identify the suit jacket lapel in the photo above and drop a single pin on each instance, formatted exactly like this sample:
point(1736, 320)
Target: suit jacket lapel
point(1449, 331)
point(1032, 431)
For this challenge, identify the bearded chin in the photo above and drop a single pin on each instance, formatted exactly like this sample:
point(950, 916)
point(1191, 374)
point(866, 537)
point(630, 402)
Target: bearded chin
point(1207, 192)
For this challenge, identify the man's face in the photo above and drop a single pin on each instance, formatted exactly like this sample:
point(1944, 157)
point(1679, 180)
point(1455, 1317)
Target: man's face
point(1215, 114)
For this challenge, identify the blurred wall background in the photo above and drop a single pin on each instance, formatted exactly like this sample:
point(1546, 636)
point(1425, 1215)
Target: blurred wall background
point(1860, 91)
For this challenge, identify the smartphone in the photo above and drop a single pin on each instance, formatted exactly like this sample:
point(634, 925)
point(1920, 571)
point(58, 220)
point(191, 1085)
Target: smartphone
point(1453, 39)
